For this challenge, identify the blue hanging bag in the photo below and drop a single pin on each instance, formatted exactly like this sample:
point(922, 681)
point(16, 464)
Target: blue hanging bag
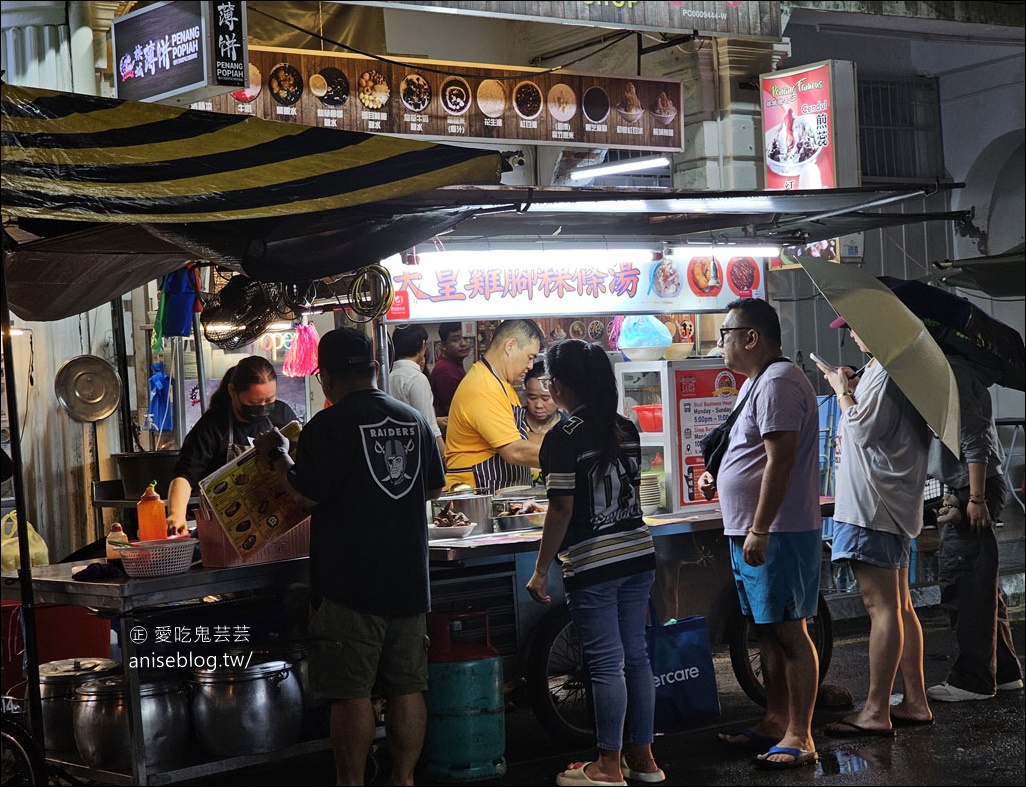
point(179, 303)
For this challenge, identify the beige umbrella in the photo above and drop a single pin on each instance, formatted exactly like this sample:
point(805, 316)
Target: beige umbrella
point(897, 339)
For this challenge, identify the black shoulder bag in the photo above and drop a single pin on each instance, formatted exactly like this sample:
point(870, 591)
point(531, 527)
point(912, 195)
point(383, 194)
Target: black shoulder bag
point(714, 444)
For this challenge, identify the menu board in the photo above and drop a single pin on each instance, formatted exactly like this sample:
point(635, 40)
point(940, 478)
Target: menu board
point(705, 398)
point(249, 500)
point(454, 101)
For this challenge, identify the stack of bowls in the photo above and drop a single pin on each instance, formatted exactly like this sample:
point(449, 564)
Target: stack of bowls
point(651, 493)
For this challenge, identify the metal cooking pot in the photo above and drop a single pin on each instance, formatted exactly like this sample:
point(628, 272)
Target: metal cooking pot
point(294, 652)
point(476, 505)
point(246, 710)
point(531, 521)
point(58, 681)
point(100, 715)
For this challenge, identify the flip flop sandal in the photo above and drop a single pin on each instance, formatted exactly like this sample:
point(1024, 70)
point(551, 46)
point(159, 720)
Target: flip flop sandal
point(799, 758)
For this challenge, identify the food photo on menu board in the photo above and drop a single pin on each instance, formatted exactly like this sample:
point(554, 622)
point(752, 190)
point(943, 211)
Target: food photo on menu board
point(709, 281)
point(451, 100)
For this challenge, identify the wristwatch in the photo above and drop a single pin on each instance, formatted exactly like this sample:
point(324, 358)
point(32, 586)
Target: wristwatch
point(275, 454)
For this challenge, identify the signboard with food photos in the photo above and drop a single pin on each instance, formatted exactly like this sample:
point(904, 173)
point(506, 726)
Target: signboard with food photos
point(464, 285)
point(443, 101)
point(810, 133)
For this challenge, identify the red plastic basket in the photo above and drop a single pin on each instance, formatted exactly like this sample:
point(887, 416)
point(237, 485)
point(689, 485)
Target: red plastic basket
point(650, 417)
point(217, 550)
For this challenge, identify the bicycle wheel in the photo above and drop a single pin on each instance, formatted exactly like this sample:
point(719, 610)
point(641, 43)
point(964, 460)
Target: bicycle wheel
point(746, 660)
point(23, 763)
point(557, 681)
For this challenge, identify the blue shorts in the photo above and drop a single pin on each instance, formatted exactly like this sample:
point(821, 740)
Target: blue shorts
point(786, 586)
point(886, 550)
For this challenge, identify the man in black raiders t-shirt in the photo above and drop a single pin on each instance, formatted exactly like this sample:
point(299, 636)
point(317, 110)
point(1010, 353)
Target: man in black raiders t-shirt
point(365, 467)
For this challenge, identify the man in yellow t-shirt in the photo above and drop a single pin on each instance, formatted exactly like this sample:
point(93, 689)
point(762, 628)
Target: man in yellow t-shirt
point(487, 443)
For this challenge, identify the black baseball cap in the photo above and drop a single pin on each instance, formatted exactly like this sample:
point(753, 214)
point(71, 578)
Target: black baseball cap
point(343, 349)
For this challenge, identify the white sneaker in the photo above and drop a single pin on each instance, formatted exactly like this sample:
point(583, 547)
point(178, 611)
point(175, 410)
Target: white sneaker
point(1012, 685)
point(945, 692)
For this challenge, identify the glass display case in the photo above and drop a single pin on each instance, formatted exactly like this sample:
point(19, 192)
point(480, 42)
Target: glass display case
point(674, 404)
point(644, 393)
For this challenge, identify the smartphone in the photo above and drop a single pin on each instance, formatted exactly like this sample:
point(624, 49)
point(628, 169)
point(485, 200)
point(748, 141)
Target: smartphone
point(821, 362)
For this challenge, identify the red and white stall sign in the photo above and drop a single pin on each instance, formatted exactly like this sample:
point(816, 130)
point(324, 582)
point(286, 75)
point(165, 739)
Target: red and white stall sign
point(704, 399)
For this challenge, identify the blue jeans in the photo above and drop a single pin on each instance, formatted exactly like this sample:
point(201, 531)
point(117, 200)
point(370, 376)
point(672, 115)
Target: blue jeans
point(610, 620)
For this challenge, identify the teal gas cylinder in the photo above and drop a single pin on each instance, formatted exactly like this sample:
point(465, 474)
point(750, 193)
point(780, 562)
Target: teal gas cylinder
point(466, 725)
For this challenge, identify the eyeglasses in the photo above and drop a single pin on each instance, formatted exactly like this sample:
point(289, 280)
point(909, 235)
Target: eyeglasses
point(725, 331)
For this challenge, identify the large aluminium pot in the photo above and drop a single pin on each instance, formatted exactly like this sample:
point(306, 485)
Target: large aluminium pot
point(58, 681)
point(246, 710)
point(100, 715)
point(294, 652)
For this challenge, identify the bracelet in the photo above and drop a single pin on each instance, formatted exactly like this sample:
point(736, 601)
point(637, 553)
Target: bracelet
point(757, 533)
point(840, 396)
point(980, 501)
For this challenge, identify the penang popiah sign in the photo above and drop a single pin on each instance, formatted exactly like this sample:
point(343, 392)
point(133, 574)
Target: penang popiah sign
point(180, 52)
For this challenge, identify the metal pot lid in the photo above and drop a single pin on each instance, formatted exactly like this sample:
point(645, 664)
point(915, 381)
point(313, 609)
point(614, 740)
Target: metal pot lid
point(76, 669)
point(262, 669)
point(117, 686)
point(88, 388)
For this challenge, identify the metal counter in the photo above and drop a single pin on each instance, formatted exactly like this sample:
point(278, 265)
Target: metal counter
point(133, 599)
point(486, 572)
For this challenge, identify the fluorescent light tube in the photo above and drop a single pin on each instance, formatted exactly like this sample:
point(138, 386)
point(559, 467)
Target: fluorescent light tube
point(620, 167)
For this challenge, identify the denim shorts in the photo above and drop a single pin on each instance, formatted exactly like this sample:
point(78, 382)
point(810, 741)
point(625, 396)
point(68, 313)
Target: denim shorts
point(786, 586)
point(354, 655)
point(885, 550)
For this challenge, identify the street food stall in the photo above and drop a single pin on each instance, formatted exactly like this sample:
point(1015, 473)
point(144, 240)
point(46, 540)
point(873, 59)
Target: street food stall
point(584, 293)
point(258, 230)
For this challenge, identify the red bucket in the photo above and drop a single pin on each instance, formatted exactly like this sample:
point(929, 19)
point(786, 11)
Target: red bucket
point(650, 417)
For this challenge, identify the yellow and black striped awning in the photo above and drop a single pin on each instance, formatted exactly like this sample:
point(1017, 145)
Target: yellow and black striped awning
point(85, 158)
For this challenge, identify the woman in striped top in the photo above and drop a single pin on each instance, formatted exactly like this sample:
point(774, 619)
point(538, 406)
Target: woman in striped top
point(591, 466)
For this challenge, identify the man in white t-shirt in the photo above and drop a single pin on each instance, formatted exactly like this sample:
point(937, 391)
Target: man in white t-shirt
point(407, 381)
point(768, 485)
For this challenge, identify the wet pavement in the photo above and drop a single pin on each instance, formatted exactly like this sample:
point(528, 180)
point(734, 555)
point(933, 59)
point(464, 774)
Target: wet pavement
point(970, 743)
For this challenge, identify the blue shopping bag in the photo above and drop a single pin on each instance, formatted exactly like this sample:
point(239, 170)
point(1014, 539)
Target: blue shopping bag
point(682, 666)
